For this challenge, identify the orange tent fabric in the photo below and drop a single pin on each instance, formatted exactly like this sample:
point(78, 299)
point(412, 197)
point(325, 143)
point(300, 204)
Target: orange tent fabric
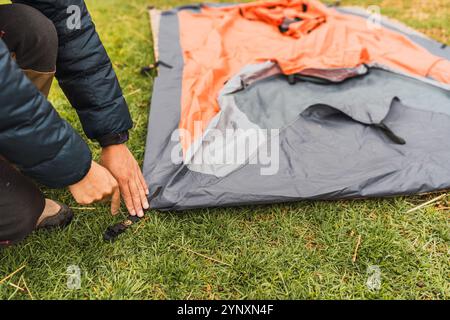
point(218, 42)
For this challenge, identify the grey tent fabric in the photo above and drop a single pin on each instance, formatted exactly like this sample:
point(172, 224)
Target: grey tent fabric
point(326, 151)
point(274, 103)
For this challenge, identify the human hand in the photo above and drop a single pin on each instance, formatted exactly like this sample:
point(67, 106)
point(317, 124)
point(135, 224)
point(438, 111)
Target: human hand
point(97, 185)
point(133, 188)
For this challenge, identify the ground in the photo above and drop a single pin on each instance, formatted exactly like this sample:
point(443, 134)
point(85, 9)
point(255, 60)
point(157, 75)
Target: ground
point(296, 251)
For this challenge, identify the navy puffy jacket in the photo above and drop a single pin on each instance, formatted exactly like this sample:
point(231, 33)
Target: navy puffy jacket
point(32, 135)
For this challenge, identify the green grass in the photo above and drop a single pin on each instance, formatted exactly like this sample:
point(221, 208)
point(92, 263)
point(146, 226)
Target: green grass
point(299, 251)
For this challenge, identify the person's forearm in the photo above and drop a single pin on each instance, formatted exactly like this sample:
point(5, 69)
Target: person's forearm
point(85, 72)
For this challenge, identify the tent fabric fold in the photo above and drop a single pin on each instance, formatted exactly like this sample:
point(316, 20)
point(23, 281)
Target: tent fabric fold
point(311, 102)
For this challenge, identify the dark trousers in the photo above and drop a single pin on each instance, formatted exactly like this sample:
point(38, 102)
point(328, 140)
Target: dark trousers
point(21, 205)
point(33, 43)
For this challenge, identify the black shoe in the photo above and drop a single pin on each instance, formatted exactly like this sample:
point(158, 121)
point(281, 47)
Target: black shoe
point(60, 220)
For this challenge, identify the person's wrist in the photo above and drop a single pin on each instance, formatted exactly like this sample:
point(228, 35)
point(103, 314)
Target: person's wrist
point(83, 176)
point(114, 147)
point(113, 139)
point(86, 176)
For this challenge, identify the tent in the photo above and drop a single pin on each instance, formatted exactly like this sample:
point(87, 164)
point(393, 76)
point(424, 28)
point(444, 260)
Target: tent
point(287, 100)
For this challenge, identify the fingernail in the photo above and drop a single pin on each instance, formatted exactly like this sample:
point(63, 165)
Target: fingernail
point(147, 192)
point(146, 205)
point(141, 213)
point(133, 213)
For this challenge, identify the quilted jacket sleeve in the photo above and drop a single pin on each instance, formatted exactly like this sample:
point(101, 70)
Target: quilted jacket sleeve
point(32, 135)
point(84, 70)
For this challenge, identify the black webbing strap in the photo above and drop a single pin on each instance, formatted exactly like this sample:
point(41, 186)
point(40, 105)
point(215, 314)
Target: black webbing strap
point(284, 27)
point(113, 232)
point(390, 134)
point(336, 4)
point(148, 69)
point(294, 78)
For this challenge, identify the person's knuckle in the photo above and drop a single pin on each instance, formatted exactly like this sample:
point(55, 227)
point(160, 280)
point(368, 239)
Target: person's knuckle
point(86, 201)
point(124, 179)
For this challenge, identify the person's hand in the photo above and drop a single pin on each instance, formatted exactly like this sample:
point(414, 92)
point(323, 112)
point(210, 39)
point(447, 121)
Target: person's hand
point(122, 165)
point(97, 185)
